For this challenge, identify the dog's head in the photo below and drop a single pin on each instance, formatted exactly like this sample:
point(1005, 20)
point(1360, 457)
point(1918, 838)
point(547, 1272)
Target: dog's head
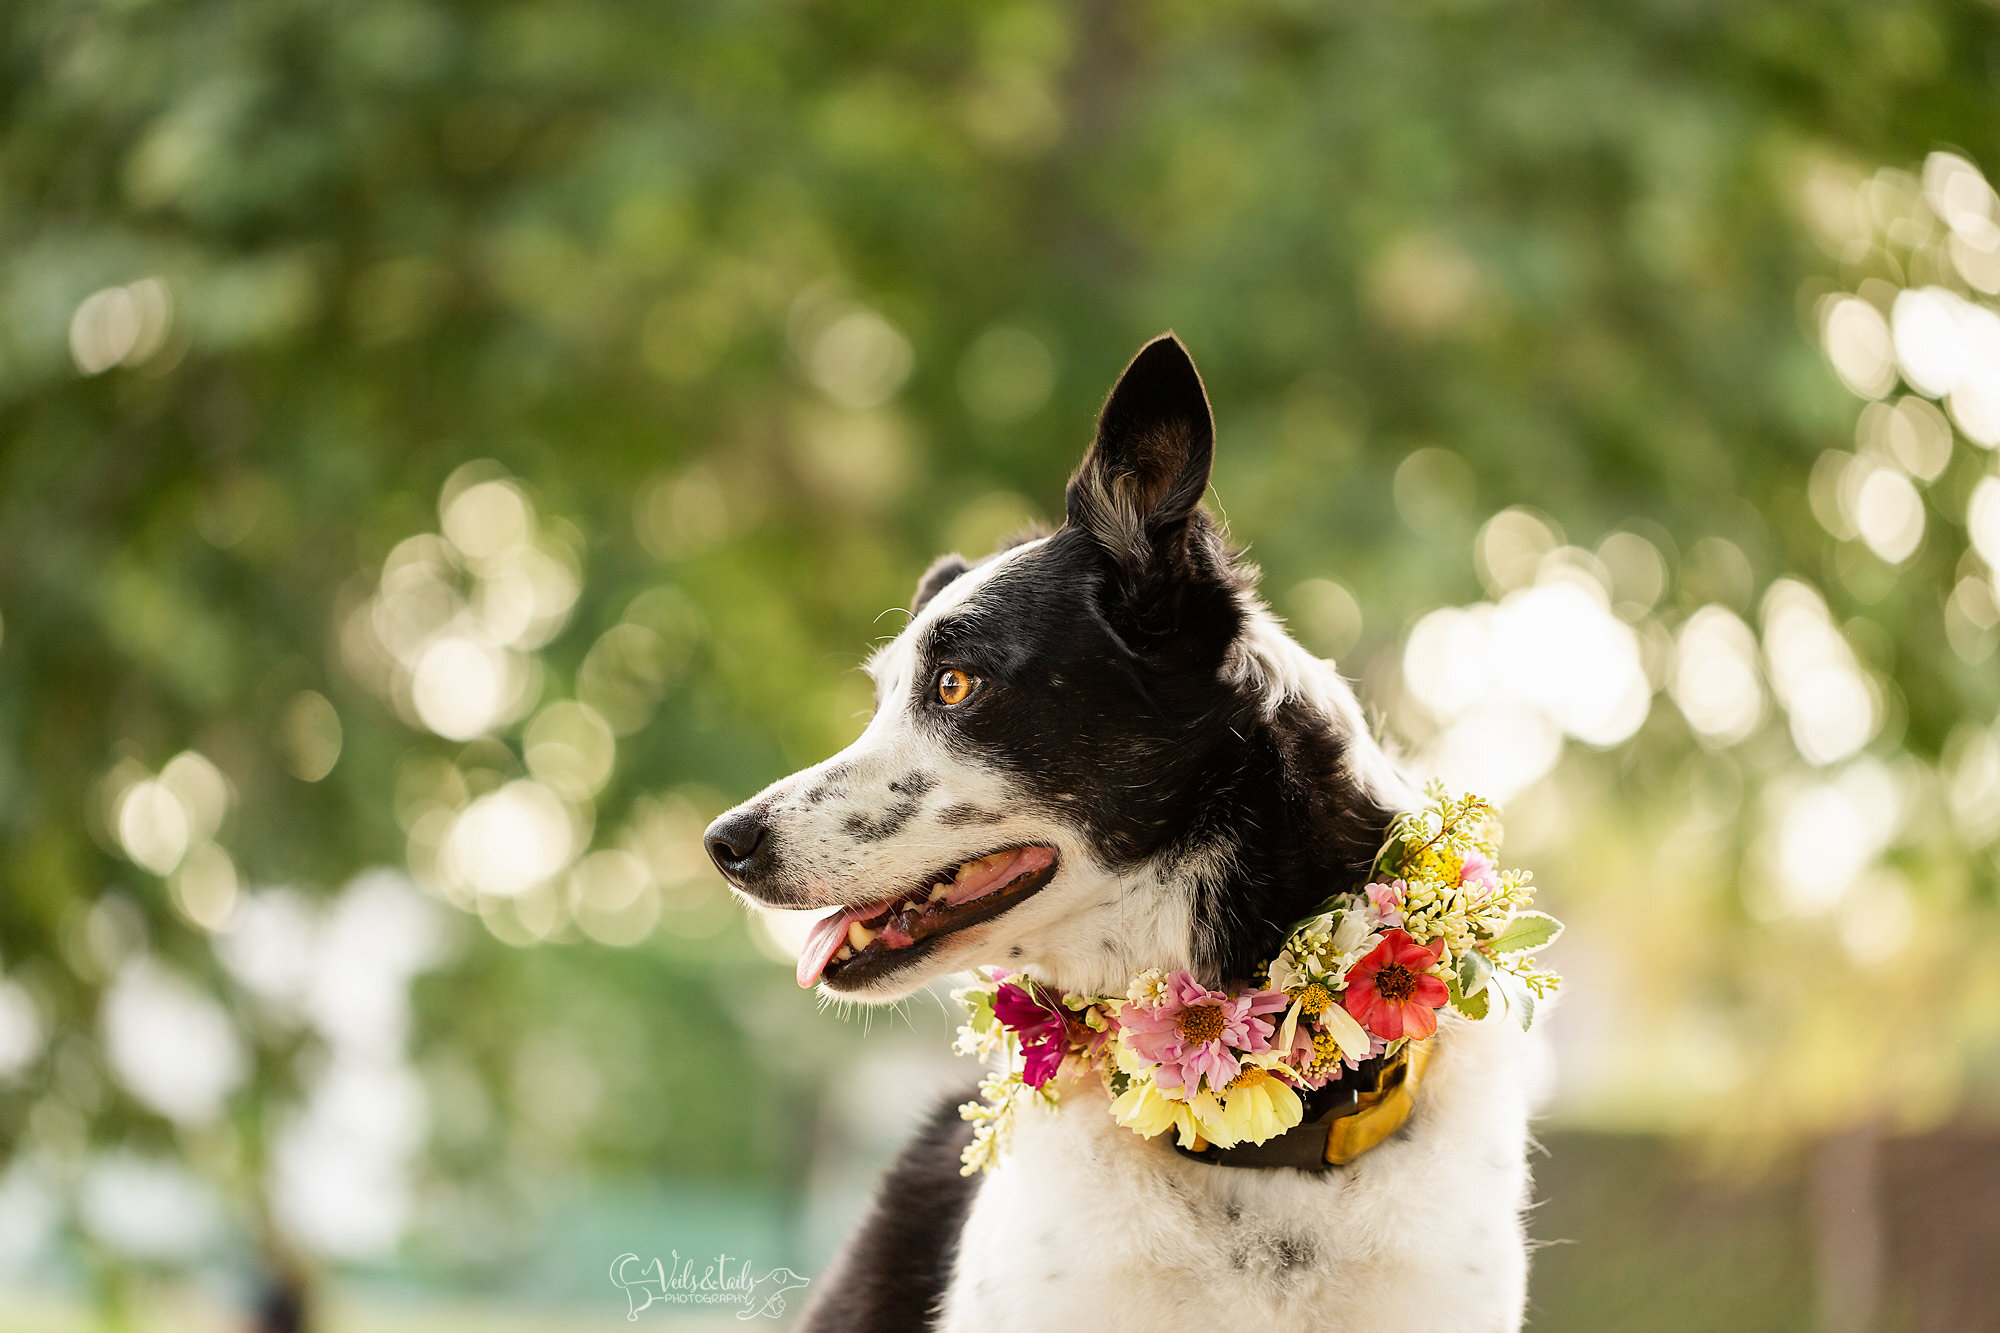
point(1072, 744)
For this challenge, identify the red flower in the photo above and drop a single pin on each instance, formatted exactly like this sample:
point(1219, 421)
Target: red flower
point(1040, 1024)
point(1392, 991)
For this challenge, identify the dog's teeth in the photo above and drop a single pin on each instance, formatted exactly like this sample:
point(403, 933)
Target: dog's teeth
point(859, 935)
point(938, 891)
point(844, 954)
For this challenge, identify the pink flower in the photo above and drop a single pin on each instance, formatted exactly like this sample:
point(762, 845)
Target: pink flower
point(1478, 869)
point(1301, 1057)
point(1306, 1054)
point(1040, 1024)
point(1388, 900)
point(1197, 1033)
point(1393, 993)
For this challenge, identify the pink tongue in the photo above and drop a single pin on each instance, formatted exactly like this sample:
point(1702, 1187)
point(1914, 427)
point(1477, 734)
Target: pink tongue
point(827, 936)
point(830, 931)
point(1026, 861)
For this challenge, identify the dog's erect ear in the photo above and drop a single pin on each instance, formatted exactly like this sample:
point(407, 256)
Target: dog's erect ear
point(1148, 467)
point(942, 571)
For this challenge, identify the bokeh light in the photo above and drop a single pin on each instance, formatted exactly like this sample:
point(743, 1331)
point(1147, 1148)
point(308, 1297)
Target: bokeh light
point(449, 634)
point(853, 354)
point(120, 326)
point(22, 1029)
point(1007, 374)
point(511, 840)
point(150, 1208)
point(1505, 682)
point(1889, 514)
point(1858, 344)
point(312, 736)
point(1982, 520)
point(1829, 833)
point(170, 1043)
point(1716, 682)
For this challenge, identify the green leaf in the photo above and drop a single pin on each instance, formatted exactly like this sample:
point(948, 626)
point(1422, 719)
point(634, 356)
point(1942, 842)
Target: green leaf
point(1474, 1007)
point(1527, 932)
point(979, 1010)
point(1520, 1000)
point(1392, 853)
point(1474, 971)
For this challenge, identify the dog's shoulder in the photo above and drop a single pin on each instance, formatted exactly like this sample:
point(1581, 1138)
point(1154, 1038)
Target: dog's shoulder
point(892, 1273)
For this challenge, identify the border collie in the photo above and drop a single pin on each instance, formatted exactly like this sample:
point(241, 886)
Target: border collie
point(1106, 720)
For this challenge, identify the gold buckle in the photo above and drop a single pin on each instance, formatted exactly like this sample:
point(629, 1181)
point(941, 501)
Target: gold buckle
point(1383, 1111)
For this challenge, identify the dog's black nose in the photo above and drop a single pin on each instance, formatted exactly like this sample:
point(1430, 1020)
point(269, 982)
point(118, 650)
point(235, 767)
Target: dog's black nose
point(740, 845)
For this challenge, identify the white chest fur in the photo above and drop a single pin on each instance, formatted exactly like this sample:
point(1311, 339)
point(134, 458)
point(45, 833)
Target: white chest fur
point(1086, 1226)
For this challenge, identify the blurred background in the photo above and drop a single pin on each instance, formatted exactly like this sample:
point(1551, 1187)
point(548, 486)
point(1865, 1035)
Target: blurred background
point(449, 451)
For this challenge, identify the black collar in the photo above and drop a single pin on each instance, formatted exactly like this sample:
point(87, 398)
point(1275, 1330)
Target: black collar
point(1342, 1120)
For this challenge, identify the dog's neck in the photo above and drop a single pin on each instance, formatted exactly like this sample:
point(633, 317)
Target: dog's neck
point(1318, 828)
point(1298, 766)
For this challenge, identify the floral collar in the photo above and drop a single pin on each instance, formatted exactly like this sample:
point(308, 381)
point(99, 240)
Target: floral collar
point(1334, 1039)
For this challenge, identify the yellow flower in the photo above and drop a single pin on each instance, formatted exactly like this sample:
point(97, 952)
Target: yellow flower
point(1146, 1110)
point(1326, 1057)
point(1257, 1105)
point(1313, 999)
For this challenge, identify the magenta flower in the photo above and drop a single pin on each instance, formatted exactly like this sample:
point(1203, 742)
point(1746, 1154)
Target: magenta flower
point(1388, 900)
point(1040, 1024)
point(1197, 1033)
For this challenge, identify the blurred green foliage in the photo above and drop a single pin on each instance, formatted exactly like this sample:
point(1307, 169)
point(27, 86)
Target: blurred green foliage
point(763, 304)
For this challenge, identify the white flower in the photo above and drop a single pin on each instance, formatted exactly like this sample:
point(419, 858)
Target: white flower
point(1356, 925)
point(1346, 1033)
point(1285, 972)
point(1149, 987)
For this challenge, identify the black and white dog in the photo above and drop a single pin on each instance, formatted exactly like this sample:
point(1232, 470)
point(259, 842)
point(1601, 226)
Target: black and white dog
point(1095, 752)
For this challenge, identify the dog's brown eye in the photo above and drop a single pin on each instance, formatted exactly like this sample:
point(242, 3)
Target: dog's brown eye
point(954, 686)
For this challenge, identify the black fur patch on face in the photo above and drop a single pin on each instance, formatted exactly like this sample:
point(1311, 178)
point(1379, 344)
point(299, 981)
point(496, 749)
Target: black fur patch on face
point(1129, 699)
point(893, 819)
point(1114, 715)
point(896, 816)
point(964, 815)
point(828, 787)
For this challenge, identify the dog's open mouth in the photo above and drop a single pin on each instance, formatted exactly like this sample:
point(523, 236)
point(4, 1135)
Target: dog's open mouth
point(859, 944)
